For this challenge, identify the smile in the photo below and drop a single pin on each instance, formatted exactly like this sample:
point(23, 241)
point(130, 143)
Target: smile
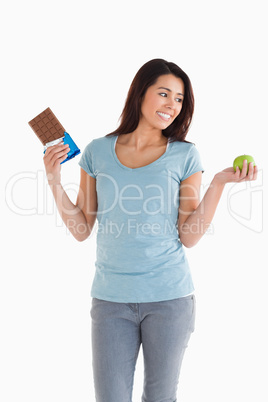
point(164, 116)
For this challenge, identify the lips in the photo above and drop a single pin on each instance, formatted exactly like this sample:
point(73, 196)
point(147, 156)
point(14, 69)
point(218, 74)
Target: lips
point(164, 116)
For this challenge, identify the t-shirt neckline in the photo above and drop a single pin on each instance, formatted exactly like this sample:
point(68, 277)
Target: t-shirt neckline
point(141, 167)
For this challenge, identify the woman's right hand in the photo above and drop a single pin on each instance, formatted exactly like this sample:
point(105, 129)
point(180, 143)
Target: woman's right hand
point(52, 159)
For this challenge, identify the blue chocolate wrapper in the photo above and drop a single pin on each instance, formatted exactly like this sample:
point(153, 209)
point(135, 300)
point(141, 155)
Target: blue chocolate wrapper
point(74, 150)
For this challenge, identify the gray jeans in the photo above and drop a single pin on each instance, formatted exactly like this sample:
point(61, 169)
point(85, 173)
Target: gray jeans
point(118, 329)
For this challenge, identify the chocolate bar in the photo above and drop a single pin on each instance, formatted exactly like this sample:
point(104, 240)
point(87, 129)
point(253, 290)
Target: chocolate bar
point(50, 132)
point(47, 127)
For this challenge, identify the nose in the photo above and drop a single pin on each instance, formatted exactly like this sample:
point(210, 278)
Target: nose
point(171, 104)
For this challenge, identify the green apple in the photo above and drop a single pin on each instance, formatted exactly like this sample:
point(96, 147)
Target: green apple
point(239, 161)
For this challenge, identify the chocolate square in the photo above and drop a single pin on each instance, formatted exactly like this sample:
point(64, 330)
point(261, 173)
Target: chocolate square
point(47, 127)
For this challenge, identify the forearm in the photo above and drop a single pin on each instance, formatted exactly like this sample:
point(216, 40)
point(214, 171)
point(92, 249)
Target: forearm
point(72, 216)
point(199, 221)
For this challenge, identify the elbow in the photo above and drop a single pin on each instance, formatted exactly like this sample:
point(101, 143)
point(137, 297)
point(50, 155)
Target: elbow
point(80, 239)
point(80, 232)
point(188, 243)
point(187, 238)
point(83, 235)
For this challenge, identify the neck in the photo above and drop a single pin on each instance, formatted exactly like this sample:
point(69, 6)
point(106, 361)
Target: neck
point(145, 135)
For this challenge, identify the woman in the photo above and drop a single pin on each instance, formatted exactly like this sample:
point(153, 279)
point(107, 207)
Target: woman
point(142, 183)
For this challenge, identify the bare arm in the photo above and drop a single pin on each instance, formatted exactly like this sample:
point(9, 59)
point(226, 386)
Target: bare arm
point(79, 218)
point(194, 216)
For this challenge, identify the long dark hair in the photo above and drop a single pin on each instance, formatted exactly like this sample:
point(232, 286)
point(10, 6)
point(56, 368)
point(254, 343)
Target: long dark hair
point(145, 77)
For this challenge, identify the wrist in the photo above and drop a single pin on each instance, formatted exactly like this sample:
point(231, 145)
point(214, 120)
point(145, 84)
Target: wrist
point(217, 182)
point(53, 180)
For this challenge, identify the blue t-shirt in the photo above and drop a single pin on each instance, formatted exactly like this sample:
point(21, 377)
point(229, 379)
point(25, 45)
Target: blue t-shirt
point(139, 256)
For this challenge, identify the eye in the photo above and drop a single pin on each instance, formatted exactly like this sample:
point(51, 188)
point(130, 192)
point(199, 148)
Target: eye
point(164, 95)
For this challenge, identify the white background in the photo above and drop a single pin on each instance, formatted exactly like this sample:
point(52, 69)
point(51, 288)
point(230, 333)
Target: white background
point(79, 58)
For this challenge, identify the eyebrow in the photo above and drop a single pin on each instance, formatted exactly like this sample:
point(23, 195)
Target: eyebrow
point(167, 89)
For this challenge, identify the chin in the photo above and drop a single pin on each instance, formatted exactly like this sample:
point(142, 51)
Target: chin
point(164, 126)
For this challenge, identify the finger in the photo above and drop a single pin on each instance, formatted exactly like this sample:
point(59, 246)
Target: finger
point(63, 158)
point(255, 173)
point(51, 154)
point(237, 172)
point(60, 160)
point(54, 149)
point(244, 169)
point(250, 171)
point(59, 155)
point(57, 148)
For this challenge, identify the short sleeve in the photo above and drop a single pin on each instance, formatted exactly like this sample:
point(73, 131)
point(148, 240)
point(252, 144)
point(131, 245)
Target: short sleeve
point(87, 160)
point(193, 163)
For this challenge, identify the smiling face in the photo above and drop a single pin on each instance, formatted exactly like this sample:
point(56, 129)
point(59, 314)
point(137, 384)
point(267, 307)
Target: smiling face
point(162, 102)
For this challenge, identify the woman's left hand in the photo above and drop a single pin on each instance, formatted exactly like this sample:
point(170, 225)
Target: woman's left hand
point(230, 176)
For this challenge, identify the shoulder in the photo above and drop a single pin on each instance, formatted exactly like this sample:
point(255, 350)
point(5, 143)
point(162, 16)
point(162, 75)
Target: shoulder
point(183, 148)
point(98, 144)
point(186, 159)
point(103, 140)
